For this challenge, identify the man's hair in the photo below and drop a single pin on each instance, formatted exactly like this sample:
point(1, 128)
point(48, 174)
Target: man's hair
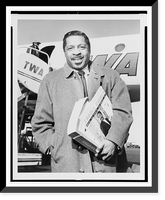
point(76, 33)
point(99, 112)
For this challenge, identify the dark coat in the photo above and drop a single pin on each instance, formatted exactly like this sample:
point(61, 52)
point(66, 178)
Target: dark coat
point(57, 95)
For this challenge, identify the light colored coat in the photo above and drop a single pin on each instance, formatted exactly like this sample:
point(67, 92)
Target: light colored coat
point(57, 95)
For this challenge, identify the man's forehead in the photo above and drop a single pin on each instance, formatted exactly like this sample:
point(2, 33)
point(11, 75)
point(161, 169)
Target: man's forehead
point(75, 39)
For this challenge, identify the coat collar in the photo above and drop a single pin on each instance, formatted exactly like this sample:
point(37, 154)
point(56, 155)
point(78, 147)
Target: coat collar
point(95, 69)
point(68, 70)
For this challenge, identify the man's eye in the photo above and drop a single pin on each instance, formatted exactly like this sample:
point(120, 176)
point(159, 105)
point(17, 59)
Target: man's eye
point(82, 47)
point(69, 48)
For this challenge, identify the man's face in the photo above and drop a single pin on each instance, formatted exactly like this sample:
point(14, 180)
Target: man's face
point(100, 116)
point(77, 52)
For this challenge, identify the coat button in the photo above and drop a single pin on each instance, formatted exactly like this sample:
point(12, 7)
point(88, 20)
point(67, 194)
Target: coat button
point(81, 170)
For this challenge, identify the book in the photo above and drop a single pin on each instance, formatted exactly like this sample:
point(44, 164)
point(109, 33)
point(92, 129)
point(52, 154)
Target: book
point(86, 119)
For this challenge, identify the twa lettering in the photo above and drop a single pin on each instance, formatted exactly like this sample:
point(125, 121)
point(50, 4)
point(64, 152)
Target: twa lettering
point(33, 68)
point(127, 65)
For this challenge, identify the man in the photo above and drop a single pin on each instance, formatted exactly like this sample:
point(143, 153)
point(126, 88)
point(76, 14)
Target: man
point(35, 45)
point(105, 124)
point(57, 95)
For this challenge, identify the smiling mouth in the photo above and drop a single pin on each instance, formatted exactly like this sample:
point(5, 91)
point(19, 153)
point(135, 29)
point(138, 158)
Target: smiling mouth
point(77, 58)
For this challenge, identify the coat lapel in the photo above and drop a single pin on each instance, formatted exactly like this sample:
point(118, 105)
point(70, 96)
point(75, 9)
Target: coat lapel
point(95, 79)
point(73, 83)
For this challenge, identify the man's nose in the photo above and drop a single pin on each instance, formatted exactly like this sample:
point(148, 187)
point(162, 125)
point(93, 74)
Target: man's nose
point(76, 51)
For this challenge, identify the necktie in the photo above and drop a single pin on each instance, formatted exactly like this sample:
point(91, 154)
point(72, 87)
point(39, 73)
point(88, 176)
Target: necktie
point(81, 74)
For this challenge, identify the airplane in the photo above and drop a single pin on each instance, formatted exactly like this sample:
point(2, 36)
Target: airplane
point(125, 54)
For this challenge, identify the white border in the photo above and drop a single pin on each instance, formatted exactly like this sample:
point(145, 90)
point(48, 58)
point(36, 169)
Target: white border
point(8, 84)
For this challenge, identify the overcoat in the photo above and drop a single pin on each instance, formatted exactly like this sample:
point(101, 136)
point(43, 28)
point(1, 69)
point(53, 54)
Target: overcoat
point(58, 92)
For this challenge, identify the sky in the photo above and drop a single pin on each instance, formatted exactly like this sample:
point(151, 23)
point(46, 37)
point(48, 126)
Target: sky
point(30, 30)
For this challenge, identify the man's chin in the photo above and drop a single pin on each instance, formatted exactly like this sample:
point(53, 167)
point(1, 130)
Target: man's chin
point(77, 66)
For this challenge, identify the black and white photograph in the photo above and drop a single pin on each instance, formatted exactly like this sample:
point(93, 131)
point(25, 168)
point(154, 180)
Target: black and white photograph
point(81, 98)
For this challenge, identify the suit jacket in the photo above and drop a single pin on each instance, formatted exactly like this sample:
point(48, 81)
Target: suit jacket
point(57, 95)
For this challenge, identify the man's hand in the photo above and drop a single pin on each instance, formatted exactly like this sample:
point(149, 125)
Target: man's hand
point(107, 151)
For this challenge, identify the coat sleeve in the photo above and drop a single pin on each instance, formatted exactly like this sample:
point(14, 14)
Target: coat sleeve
point(122, 112)
point(42, 121)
